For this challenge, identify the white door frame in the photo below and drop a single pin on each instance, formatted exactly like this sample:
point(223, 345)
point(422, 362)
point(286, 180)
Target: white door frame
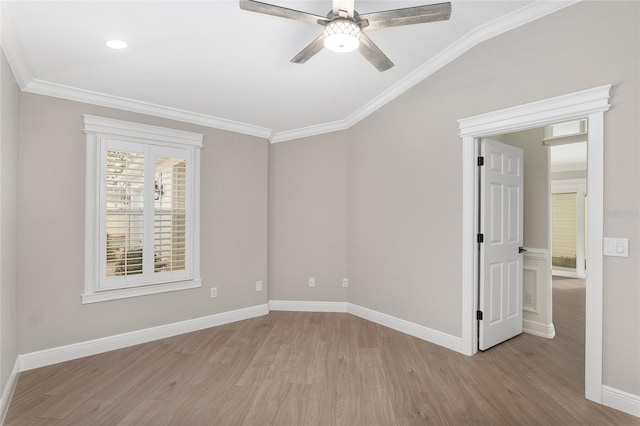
point(590, 104)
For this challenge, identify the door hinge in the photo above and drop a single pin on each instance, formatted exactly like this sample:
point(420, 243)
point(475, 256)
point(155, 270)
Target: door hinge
point(481, 238)
point(479, 315)
point(480, 161)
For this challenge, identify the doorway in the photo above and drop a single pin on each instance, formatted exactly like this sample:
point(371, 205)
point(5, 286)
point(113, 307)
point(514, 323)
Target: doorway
point(568, 177)
point(587, 104)
point(532, 285)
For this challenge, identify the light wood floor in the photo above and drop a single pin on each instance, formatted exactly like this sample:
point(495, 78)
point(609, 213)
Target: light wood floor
point(321, 369)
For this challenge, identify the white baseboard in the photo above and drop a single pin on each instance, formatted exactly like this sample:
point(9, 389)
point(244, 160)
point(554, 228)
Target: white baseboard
point(91, 347)
point(421, 332)
point(621, 400)
point(537, 329)
point(307, 306)
point(51, 356)
point(8, 390)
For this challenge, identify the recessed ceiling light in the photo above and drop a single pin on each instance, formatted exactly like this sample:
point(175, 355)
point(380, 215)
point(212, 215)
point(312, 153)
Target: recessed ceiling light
point(116, 44)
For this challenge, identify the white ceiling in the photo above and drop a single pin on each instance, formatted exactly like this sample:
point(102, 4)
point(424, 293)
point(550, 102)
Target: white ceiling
point(214, 64)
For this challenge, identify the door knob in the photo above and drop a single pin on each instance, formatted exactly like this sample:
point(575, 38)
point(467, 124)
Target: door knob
point(521, 249)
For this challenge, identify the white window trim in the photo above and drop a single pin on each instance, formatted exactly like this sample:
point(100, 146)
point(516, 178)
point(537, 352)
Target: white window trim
point(96, 128)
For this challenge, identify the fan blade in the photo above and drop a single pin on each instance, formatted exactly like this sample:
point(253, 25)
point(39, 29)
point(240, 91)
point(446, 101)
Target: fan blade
point(373, 54)
point(408, 16)
point(314, 47)
point(344, 5)
point(282, 12)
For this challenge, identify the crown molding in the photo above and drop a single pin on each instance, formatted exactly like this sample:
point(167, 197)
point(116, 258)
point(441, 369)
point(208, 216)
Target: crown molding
point(482, 33)
point(306, 132)
point(66, 92)
point(26, 80)
point(491, 29)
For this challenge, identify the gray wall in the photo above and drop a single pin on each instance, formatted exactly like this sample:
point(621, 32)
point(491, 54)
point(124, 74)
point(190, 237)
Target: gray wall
point(9, 107)
point(536, 186)
point(405, 170)
point(51, 183)
point(308, 203)
point(573, 174)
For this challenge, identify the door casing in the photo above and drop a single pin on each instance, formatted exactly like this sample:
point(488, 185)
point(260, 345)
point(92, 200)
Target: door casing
point(590, 104)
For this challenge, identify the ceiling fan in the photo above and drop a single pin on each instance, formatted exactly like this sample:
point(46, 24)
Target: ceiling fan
point(343, 26)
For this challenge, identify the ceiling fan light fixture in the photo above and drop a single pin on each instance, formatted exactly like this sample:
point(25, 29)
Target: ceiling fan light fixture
point(342, 35)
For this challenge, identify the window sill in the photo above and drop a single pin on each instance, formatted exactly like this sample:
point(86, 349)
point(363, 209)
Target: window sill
point(139, 291)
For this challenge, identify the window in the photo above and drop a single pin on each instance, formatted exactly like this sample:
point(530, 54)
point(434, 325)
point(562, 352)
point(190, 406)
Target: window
point(142, 201)
point(568, 227)
point(563, 244)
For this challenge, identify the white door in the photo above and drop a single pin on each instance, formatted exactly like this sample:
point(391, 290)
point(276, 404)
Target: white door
point(501, 201)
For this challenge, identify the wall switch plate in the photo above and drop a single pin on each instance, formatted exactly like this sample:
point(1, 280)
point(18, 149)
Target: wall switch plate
point(258, 285)
point(345, 282)
point(312, 282)
point(214, 292)
point(616, 247)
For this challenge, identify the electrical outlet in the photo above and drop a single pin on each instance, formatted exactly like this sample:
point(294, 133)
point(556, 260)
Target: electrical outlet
point(214, 292)
point(258, 285)
point(345, 282)
point(312, 282)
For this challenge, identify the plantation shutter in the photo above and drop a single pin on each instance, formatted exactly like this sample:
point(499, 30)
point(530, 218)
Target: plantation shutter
point(170, 219)
point(145, 214)
point(564, 230)
point(124, 212)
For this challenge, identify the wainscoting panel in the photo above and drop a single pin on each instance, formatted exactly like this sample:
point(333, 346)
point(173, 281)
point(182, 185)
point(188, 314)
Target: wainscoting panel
point(537, 293)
